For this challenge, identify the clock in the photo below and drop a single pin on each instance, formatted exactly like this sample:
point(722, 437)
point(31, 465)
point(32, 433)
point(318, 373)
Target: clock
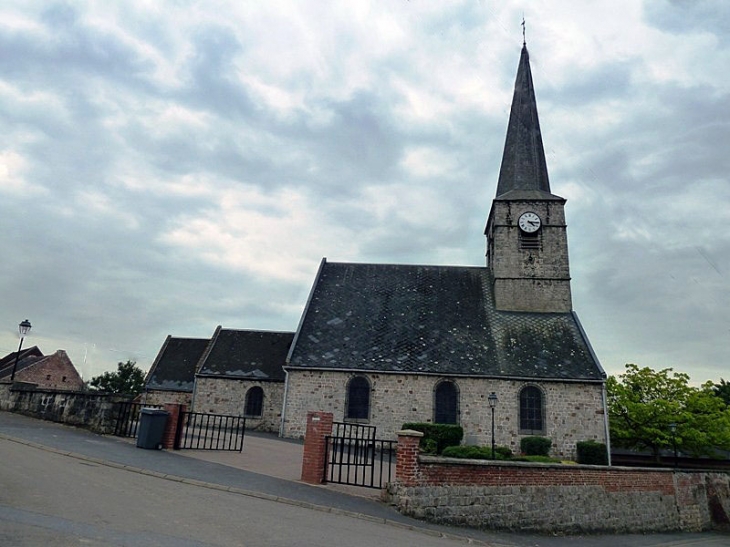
point(529, 222)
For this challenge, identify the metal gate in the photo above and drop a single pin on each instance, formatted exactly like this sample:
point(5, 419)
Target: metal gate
point(210, 432)
point(126, 421)
point(355, 457)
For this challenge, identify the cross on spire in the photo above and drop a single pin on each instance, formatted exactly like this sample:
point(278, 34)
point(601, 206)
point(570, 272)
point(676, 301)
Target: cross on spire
point(524, 41)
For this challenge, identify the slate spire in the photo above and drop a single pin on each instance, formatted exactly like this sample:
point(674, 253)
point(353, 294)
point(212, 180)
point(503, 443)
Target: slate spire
point(523, 160)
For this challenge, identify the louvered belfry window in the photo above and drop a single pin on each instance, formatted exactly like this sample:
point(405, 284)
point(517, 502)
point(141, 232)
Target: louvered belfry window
point(358, 399)
point(446, 403)
point(531, 411)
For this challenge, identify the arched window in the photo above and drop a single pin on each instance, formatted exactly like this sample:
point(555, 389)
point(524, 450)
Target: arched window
point(446, 403)
point(254, 402)
point(531, 411)
point(358, 399)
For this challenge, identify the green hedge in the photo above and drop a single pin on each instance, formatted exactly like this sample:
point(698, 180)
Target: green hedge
point(477, 452)
point(538, 459)
point(592, 453)
point(436, 437)
point(535, 446)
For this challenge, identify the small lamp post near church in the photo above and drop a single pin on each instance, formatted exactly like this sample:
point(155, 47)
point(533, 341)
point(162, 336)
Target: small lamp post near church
point(23, 329)
point(673, 428)
point(492, 400)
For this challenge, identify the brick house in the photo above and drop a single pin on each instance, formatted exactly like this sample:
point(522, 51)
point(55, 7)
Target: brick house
point(387, 344)
point(55, 371)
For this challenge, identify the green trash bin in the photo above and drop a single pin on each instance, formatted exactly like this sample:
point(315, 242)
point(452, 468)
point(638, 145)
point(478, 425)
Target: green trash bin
point(152, 422)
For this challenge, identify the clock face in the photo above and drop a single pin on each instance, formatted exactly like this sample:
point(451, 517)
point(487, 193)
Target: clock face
point(529, 222)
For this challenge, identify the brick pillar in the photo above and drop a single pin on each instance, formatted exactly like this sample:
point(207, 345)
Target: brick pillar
point(319, 425)
point(168, 438)
point(406, 467)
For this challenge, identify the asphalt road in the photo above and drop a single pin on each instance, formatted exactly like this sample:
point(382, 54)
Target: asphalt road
point(54, 500)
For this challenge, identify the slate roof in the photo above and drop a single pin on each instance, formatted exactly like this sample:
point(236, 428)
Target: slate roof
point(175, 364)
point(28, 357)
point(434, 320)
point(524, 168)
point(249, 354)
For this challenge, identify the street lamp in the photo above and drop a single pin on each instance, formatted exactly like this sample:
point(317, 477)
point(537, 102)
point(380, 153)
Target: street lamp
point(492, 400)
point(673, 428)
point(23, 329)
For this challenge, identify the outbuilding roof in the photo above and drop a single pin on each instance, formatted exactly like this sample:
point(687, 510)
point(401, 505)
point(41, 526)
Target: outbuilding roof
point(174, 366)
point(248, 354)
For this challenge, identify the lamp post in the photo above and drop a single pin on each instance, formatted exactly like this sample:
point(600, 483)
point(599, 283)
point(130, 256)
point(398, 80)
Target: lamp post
point(23, 329)
point(492, 400)
point(673, 428)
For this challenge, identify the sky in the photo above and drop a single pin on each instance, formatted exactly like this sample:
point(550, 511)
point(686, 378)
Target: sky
point(167, 167)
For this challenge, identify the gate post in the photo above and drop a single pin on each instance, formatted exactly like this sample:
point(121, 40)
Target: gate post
point(168, 438)
point(319, 425)
point(406, 466)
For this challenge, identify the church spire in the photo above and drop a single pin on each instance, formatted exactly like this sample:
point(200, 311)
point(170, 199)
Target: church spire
point(523, 161)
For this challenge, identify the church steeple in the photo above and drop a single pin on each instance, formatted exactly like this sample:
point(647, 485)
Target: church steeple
point(527, 244)
point(523, 160)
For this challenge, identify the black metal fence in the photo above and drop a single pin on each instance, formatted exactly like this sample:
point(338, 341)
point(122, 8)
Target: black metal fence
point(355, 457)
point(126, 420)
point(210, 432)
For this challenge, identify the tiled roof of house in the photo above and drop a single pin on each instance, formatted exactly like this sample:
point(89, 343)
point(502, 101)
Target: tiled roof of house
point(174, 367)
point(436, 320)
point(246, 354)
point(27, 358)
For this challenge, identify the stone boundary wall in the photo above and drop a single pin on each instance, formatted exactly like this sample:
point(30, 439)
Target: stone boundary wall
point(94, 411)
point(550, 498)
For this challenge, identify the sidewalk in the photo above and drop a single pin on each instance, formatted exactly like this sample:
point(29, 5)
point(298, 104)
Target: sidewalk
point(269, 455)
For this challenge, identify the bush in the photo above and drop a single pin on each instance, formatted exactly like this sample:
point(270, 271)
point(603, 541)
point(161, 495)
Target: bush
point(592, 453)
point(504, 451)
point(538, 459)
point(442, 434)
point(535, 446)
point(473, 452)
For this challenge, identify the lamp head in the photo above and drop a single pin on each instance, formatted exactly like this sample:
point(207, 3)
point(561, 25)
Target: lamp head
point(24, 327)
point(492, 399)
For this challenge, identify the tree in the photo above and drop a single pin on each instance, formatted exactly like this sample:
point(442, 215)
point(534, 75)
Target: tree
point(127, 380)
point(722, 390)
point(660, 410)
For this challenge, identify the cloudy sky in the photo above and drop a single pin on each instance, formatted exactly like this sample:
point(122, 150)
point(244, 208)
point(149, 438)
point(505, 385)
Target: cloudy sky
point(166, 167)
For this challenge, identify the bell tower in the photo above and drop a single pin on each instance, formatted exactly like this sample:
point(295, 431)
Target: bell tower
point(527, 244)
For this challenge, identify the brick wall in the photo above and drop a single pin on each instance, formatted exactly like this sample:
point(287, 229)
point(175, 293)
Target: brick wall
point(574, 411)
point(228, 396)
point(555, 498)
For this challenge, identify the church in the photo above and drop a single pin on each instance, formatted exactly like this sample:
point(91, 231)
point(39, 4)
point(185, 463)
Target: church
point(386, 344)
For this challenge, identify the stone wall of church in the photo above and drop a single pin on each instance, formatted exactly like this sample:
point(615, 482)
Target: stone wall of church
point(228, 396)
point(161, 397)
point(573, 411)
